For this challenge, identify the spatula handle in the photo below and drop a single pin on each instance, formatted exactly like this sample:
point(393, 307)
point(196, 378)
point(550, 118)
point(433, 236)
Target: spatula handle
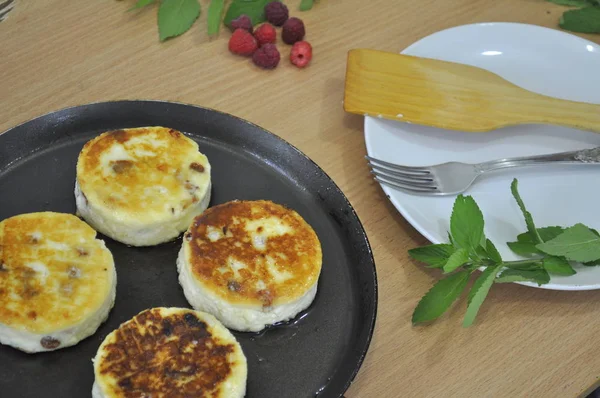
point(547, 110)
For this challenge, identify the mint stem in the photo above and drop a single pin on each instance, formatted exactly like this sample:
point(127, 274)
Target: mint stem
point(519, 264)
point(523, 262)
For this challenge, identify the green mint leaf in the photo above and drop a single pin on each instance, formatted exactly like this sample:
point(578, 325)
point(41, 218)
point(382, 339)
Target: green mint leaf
point(215, 10)
point(255, 9)
point(451, 240)
point(549, 233)
point(466, 223)
point(479, 254)
point(523, 248)
point(140, 4)
point(492, 252)
point(592, 263)
point(577, 243)
point(457, 259)
point(572, 3)
point(440, 297)
point(479, 292)
point(583, 20)
point(176, 17)
point(538, 276)
point(546, 234)
point(558, 266)
point(528, 218)
point(435, 256)
point(306, 5)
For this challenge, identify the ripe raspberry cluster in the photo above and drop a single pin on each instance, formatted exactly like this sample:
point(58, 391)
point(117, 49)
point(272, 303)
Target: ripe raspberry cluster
point(259, 43)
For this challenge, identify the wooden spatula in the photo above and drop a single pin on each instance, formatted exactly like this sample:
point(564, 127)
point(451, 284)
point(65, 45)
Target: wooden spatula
point(451, 96)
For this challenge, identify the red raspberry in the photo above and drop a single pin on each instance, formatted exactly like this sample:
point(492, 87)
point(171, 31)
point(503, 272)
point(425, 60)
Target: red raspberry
point(276, 12)
point(242, 43)
point(267, 56)
point(293, 31)
point(301, 54)
point(241, 22)
point(265, 33)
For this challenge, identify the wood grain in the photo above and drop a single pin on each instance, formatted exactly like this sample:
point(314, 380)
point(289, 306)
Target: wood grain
point(527, 342)
point(451, 96)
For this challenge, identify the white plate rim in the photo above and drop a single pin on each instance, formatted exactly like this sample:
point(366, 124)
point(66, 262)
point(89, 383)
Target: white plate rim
point(398, 204)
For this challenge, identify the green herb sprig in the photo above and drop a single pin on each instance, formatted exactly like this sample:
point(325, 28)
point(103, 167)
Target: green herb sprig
point(548, 251)
point(583, 19)
point(176, 17)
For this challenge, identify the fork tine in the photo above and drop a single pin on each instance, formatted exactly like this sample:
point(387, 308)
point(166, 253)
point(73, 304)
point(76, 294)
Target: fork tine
point(408, 188)
point(404, 181)
point(5, 7)
point(401, 174)
point(397, 167)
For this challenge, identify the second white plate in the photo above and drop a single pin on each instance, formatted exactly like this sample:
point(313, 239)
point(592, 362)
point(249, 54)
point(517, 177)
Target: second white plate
point(542, 60)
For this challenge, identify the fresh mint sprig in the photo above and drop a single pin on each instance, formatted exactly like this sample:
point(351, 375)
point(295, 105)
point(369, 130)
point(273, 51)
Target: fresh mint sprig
point(549, 251)
point(306, 5)
point(176, 17)
point(255, 9)
point(584, 19)
point(215, 14)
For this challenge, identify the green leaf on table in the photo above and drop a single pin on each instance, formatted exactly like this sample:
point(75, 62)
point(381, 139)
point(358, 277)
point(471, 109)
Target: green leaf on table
point(583, 20)
point(573, 3)
point(528, 218)
point(523, 248)
point(558, 266)
point(479, 253)
point(577, 243)
point(451, 240)
point(255, 9)
point(546, 234)
point(539, 276)
point(592, 263)
point(481, 250)
point(479, 292)
point(456, 259)
point(492, 252)
point(306, 5)
point(141, 4)
point(176, 17)
point(435, 256)
point(466, 223)
point(215, 11)
point(440, 297)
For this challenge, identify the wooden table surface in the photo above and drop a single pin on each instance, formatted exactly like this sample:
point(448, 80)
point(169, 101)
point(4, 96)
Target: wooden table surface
point(526, 342)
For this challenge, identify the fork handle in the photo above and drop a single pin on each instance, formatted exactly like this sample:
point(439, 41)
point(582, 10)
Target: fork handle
point(584, 156)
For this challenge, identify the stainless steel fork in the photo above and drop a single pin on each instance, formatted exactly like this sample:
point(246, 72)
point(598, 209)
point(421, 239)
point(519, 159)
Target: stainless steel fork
point(454, 177)
point(5, 7)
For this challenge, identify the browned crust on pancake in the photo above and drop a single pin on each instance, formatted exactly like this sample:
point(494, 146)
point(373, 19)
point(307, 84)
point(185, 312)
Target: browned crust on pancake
point(98, 145)
point(27, 303)
point(168, 356)
point(297, 252)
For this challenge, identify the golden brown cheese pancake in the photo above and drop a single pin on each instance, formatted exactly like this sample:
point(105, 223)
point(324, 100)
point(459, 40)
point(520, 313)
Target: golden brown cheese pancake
point(250, 264)
point(57, 281)
point(142, 186)
point(170, 353)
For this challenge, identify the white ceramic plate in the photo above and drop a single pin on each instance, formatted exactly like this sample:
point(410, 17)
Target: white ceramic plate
point(543, 60)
